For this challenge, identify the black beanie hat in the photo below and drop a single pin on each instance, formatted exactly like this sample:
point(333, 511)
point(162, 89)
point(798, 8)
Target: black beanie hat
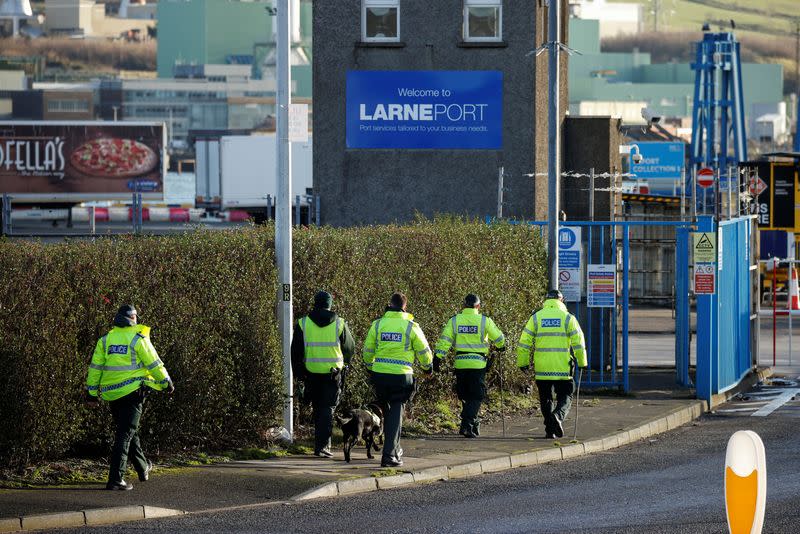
point(323, 300)
point(127, 310)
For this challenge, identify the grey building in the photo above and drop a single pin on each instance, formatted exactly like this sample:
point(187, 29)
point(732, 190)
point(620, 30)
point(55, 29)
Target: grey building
point(432, 147)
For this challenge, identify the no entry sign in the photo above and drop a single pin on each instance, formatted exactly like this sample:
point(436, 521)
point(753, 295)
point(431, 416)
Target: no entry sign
point(705, 177)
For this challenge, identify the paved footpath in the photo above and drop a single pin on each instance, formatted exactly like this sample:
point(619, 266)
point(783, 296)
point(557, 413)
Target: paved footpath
point(604, 422)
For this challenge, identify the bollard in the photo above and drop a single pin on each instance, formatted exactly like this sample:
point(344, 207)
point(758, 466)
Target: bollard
point(310, 204)
point(316, 209)
point(297, 210)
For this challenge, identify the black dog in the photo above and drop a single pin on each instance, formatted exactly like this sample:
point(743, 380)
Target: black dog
point(364, 424)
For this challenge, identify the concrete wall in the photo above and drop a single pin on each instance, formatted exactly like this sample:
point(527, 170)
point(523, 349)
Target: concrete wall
point(592, 142)
point(381, 186)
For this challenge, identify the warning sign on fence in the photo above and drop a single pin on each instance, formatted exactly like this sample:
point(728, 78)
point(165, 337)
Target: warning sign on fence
point(704, 246)
point(705, 278)
point(601, 285)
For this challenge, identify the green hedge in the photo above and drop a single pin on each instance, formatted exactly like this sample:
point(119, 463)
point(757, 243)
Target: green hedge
point(210, 298)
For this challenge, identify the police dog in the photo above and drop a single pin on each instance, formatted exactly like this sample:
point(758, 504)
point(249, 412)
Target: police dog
point(358, 424)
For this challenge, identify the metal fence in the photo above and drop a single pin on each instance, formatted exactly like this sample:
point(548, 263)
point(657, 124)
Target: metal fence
point(606, 329)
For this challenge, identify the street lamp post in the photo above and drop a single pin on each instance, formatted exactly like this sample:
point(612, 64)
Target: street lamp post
point(283, 207)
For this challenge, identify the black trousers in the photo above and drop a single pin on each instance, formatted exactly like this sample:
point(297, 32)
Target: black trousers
point(127, 411)
point(323, 393)
point(563, 390)
point(471, 390)
point(393, 391)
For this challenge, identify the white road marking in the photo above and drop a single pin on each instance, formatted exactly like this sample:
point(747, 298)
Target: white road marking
point(783, 398)
point(737, 410)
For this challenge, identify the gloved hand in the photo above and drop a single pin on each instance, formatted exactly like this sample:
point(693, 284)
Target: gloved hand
point(91, 401)
point(437, 363)
point(428, 371)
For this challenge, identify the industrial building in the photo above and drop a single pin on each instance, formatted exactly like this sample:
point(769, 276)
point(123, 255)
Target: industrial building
point(467, 59)
point(626, 82)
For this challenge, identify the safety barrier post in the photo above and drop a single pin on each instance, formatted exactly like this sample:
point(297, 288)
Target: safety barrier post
point(316, 210)
point(269, 207)
point(92, 219)
point(310, 199)
point(626, 249)
point(682, 315)
point(6, 214)
point(133, 213)
point(297, 210)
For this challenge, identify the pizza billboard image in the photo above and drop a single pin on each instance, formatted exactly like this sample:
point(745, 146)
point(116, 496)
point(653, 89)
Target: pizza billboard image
point(81, 161)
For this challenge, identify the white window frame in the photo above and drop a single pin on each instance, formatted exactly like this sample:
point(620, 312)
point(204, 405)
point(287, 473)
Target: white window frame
point(483, 3)
point(379, 3)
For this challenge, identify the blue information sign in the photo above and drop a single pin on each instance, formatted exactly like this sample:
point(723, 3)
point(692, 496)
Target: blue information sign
point(425, 109)
point(659, 160)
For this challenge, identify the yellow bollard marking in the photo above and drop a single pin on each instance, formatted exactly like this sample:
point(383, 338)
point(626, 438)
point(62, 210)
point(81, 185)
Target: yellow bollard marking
point(740, 500)
point(745, 483)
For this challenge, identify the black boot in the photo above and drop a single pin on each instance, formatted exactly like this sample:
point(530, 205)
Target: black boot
point(476, 428)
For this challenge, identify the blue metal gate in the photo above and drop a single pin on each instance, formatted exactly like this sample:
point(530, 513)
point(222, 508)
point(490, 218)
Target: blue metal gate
point(606, 329)
point(724, 326)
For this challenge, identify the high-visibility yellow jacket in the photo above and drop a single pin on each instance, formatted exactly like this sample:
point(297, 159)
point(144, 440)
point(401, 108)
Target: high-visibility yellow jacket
point(123, 360)
point(552, 332)
point(322, 348)
point(471, 334)
point(392, 343)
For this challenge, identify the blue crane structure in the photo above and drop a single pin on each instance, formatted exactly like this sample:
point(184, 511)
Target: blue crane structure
point(718, 114)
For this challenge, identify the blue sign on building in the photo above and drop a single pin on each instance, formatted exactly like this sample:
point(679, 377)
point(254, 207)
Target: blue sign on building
point(660, 160)
point(425, 109)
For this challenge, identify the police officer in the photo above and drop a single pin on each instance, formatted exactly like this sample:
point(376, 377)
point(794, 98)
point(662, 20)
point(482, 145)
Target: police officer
point(471, 334)
point(125, 366)
point(321, 350)
point(393, 342)
point(557, 342)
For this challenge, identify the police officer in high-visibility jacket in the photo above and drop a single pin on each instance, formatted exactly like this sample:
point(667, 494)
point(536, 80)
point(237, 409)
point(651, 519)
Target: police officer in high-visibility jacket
point(321, 350)
point(125, 366)
point(393, 343)
point(471, 334)
point(556, 339)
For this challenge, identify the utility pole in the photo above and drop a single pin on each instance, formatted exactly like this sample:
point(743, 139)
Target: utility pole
point(283, 207)
point(797, 57)
point(554, 148)
point(656, 11)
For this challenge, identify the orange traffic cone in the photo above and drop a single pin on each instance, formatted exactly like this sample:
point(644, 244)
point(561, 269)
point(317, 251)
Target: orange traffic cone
point(794, 292)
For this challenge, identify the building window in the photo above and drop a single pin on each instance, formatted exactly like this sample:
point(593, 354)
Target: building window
point(483, 20)
point(67, 106)
point(380, 21)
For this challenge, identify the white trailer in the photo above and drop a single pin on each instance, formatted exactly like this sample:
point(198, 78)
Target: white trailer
point(238, 172)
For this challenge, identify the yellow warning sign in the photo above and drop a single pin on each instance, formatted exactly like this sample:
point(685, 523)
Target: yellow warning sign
point(704, 245)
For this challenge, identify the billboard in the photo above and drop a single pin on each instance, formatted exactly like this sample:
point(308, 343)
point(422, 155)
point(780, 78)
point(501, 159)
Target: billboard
point(425, 109)
point(79, 161)
point(774, 186)
point(661, 165)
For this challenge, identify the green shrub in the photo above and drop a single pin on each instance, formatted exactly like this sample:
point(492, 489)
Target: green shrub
point(209, 297)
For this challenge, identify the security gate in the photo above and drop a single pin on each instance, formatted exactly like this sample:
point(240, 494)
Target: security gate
point(605, 261)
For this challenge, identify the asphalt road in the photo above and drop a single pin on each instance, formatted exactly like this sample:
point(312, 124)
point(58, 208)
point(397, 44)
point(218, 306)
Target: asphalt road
point(672, 483)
